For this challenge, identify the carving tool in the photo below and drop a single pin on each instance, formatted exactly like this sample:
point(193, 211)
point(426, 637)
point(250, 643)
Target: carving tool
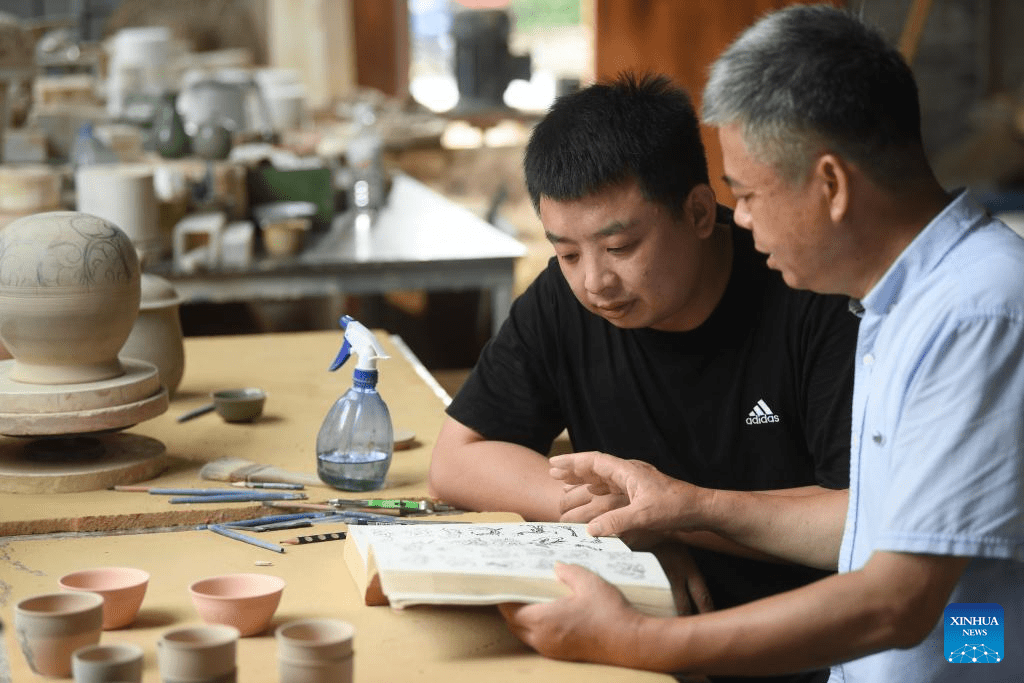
point(163, 491)
point(404, 506)
point(268, 485)
point(274, 519)
point(281, 526)
point(240, 497)
point(318, 538)
point(201, 410)
point(231, 533)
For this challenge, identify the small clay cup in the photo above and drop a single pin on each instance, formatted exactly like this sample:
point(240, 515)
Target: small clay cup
point(108, 663)
point(245, 601)
point(122, 588)
point(315, 651)
point(198, 654)
point(50, 627)
point(239, 405)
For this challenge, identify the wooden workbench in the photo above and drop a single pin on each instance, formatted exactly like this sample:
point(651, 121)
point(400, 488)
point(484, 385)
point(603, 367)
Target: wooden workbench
point(292, 370)
point(59, 533)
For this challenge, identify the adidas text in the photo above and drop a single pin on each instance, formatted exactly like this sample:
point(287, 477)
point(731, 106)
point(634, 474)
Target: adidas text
point(761, 419)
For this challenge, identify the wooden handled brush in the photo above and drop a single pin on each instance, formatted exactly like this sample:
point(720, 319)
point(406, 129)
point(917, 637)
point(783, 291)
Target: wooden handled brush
point(237, 469)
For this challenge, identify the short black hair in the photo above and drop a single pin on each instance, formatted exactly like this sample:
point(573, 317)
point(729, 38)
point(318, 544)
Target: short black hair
point(634, 127)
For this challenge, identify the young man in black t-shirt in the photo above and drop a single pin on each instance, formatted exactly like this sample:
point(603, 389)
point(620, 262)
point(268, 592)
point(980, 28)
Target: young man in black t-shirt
point(656, 333)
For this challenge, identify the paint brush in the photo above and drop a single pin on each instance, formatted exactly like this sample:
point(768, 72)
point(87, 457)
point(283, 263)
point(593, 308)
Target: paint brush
point(239, 469)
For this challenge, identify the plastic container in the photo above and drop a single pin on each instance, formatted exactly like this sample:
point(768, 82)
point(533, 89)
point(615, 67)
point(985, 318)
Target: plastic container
point(365, 156)
point(356, 440)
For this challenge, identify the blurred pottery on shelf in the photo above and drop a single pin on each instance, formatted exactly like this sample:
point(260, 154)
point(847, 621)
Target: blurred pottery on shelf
point(169, 136)
point(212, 141)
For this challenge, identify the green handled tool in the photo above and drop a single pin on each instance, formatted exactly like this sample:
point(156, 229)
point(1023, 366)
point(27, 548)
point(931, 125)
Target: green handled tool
point(403, 506)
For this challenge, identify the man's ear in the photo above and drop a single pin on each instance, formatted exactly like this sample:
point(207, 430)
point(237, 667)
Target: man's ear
point(703, 207)
point(834, 176)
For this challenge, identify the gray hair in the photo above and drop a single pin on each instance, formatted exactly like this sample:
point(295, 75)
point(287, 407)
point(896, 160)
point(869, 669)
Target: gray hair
point(810, 79)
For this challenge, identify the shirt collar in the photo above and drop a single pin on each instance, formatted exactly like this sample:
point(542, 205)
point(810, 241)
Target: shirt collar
point(923, 254)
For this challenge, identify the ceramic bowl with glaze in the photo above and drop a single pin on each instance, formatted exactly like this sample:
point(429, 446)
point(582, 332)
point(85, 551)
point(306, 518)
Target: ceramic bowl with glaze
point(122, 588)
point(245, 601)
point(239, 405)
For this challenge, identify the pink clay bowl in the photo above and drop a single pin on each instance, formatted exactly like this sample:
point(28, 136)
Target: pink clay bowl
point(245, 601)
point(122, 589)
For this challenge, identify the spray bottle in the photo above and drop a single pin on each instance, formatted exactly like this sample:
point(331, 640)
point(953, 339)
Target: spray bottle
point(356, 440)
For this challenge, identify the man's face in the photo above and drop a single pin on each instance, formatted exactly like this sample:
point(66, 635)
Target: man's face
point(790, 221)
point(627, 259)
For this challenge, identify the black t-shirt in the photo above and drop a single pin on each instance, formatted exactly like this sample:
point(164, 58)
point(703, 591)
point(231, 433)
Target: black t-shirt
point(757, 397)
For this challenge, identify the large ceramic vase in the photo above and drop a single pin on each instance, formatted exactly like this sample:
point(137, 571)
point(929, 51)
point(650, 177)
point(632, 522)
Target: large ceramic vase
point(69, 296)
point(157, 334)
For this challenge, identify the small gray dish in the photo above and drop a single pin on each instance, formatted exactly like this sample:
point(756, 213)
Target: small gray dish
point(234, 405)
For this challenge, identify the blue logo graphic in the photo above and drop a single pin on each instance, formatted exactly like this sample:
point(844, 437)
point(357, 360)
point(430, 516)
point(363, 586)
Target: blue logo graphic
point(973, 633)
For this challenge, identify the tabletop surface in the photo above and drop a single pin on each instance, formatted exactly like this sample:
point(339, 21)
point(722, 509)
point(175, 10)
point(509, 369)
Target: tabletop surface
point(47, 536)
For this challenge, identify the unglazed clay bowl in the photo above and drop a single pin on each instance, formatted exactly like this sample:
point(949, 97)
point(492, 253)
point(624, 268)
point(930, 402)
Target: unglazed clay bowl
point(198, 654)
point(244, 601)
point(314, 640)
point(107, 662)
point(50, 627)
point(122, 589)
point(239, 405)
point(69, 295)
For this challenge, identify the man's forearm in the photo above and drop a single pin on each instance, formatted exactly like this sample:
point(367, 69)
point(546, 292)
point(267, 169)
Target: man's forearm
point(493, 476)
point(893, 602)
point(806, 529)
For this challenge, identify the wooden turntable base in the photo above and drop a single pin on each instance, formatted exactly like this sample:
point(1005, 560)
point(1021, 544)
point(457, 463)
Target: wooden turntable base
point(29, 467)
point(72, 443)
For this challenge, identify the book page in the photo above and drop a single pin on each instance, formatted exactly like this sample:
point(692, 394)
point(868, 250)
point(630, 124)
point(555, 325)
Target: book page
point(493, 563)
point(524, 549)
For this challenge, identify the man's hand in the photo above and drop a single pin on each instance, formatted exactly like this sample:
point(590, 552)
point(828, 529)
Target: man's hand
point(580, 505)
point(591, 624)
point(689, 589)
point(653, 501)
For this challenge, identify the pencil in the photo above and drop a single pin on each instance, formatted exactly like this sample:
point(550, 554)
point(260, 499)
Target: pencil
point(318, 538)
point(231, 533)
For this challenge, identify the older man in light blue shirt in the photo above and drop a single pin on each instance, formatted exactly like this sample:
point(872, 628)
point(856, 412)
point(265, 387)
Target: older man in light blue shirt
point(938, 428)
point(819, 124)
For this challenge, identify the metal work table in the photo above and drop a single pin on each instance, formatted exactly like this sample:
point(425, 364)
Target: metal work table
point(419, 240)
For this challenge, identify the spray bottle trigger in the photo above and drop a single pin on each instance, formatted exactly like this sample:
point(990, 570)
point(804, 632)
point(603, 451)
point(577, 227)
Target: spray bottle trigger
point(343, 354)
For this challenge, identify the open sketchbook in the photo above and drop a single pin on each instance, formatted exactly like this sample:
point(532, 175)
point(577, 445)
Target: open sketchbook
point(487, 564)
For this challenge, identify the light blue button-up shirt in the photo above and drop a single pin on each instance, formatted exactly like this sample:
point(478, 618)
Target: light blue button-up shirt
point(937, 439)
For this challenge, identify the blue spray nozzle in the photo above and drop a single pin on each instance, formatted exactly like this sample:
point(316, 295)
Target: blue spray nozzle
point(343, 354)
point(366, 345)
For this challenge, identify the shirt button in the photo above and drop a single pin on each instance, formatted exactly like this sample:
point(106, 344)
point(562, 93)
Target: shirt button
point(869, 359)
point(878, 438)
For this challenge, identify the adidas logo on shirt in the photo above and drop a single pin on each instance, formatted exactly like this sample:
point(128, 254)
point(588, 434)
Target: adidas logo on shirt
point(761, 414)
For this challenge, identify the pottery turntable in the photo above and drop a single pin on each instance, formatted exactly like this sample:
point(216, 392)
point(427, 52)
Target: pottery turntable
point(69, 296)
